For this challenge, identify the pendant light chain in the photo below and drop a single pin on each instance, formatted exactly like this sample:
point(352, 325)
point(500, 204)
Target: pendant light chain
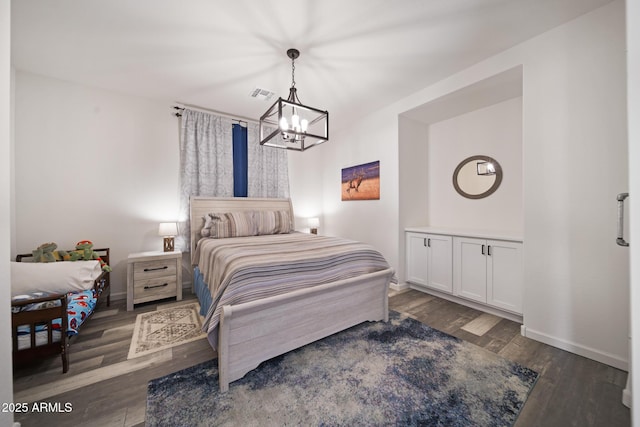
point(293, 72)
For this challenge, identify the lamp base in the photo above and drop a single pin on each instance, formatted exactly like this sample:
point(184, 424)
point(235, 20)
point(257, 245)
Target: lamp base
point(168, 244)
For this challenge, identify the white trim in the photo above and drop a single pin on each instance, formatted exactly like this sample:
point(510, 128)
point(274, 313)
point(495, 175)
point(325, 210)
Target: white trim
point(512, 236)
point(117, 296)
point(626, 397)
point(462, 301)
point(580, 350)
point(399, 286)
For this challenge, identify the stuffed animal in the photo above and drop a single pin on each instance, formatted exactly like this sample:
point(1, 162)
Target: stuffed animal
point(44, 252)
point(66, 256)
point(85, 251)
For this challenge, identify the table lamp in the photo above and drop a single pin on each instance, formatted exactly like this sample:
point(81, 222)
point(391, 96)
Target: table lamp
point(168, 230)
point(313, 223)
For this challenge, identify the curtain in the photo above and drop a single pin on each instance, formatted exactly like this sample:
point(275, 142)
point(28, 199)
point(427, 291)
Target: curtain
point(268, 169)
point(217, 158)
point(206, 163)
point(240, 161)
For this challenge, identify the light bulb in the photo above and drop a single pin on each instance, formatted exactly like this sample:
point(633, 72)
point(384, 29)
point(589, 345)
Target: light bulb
point(304, 124)
point(295, 121)
point(283, 123)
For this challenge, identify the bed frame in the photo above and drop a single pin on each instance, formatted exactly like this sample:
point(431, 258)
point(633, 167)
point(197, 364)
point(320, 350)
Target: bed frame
point(102, 285)
point(253, 332)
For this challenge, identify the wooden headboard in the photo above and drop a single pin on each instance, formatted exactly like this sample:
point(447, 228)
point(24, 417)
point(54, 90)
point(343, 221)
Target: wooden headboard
point(200, 206)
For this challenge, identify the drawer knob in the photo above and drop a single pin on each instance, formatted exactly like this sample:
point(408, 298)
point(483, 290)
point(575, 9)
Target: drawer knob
point(156, 286)
point(156, 268)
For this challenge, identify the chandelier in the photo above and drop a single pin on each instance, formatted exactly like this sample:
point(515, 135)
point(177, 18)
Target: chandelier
point(290, 124)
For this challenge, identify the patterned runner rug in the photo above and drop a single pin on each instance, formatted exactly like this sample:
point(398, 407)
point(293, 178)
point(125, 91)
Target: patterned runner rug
point(165, 328)
point(397, 373)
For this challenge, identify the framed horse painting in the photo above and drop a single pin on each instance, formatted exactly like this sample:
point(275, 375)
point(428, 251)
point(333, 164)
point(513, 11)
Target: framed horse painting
point(361, 182)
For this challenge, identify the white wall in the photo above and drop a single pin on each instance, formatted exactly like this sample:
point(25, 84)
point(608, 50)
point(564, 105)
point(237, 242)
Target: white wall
point(92, 165)
point(6, 373)
point(371, 221)
point(306, 190)
point(414, 173)
point(576, 278)
point(413, 181)
point(494, 131)
point(576, 293)
point(633, 102)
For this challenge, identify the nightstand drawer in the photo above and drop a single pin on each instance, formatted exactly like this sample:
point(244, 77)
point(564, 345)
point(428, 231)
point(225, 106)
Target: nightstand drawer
point(144, 270)
point(155, 288)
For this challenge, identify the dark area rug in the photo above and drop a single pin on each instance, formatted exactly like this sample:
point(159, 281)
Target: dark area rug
point(397, 373)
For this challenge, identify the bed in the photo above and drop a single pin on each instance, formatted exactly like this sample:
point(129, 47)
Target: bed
point(50, 302)
point(272, 291)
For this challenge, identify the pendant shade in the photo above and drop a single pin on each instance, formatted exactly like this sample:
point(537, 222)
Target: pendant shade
point(292, 125)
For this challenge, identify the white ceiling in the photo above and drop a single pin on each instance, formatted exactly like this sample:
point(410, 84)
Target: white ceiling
point(495, 89)
point(356, 55)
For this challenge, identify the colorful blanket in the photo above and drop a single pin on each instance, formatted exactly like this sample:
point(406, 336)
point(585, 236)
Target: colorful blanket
point(79, 306)
point(243, 269)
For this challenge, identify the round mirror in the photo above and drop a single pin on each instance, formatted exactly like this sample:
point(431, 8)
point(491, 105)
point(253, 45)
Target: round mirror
point(477, 177)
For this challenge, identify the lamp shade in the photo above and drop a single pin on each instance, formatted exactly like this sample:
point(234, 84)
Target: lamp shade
point(168, 229)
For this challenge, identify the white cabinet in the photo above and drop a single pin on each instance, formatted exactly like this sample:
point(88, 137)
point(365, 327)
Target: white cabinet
point(489, 272)
point(470, 268)
point(429, 260)
point(416, 258)
point(480, 269)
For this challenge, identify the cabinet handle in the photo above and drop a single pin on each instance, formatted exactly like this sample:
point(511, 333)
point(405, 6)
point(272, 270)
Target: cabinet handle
point(156, 268)
point(424, 242)
point(489, 250)
point(429, 242)
point(620, 240)
point(156, 286)
point(482, 249)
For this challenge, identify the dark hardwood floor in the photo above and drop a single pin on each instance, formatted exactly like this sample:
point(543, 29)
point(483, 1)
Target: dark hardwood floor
point(571, 390)
point(103, 388)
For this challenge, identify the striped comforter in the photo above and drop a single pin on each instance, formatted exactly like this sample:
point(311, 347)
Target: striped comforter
point(244, 269)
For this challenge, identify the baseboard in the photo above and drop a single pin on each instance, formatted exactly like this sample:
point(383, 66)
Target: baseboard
point(580, 350)
point(117, 296)
point(626, 397)
point(590, 353)
point(399, 286)
point(481, 307)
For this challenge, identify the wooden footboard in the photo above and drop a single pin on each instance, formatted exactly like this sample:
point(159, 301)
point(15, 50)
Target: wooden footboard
point(256, 331)
point(44, 316)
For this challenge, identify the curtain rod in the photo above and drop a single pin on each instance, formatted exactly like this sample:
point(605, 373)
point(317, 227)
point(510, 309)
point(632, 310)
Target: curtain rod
point(182, 106)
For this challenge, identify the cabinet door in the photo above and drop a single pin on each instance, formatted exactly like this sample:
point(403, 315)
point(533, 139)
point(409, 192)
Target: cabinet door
point(439, 263)
point(470, 268)
point(416, 258)
point(504, 275)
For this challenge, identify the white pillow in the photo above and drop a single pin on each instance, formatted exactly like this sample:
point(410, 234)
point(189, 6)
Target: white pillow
point(55, 277)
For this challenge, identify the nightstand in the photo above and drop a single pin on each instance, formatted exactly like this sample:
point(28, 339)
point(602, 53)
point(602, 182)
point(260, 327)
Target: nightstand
point(152, 276)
